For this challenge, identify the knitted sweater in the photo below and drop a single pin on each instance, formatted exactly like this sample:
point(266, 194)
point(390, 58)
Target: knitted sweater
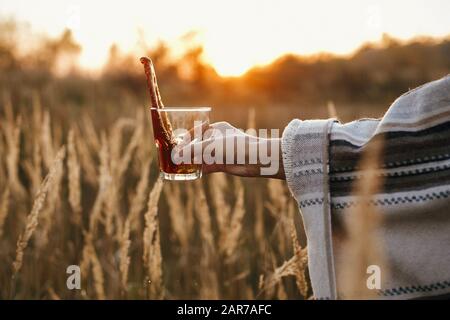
point(321, 159)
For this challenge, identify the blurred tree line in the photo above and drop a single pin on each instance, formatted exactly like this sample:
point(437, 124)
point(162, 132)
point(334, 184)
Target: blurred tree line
point(374, 75)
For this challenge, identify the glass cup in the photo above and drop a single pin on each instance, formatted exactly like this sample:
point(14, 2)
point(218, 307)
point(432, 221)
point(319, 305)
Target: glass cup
point(170, 127)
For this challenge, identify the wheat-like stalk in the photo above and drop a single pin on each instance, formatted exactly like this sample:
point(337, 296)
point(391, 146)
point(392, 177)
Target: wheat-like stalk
point(278, 206)
point(295, 266)
point(52, 294)
point(152, 250)
point(47, 140)
point(47, 216)
point(90, 259)
point(88, 252)
point(4, 209)
point(231, 240)
point(209, 288)
point(138, 202)
point(190, 207)
point(301, 256)
point(86, 160)
point(3, 150)
point(33, 167)
point(97, 273)
point(129, 151)
point(288, 268)
point(123, 255)
point(32, 219)
point(116, 140)
point(104, 181)
point(12, 135)
point(259, 225)
point(119, 165)
point(137, 206)
point(361, 246)
point(278, 200)
point(8, 107)
point(91, 135)
point(85, 262)
point(33, 173)
point(95, 214)
point(98, 277)
point(218, 184)
point(177, 214)
point(73, 167)
point(203, 216)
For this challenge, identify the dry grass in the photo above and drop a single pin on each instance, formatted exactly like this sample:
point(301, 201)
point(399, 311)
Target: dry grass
point(133, 235)
point(32, 219)
point(361, 246)
point(73, 167)
point(152, 248)
point(4, 209)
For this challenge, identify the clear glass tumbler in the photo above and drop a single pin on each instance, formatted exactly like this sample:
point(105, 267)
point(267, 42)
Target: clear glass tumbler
point(170, 126)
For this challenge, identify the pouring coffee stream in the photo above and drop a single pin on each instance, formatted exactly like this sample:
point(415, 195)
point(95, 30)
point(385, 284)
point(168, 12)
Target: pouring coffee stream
point(163, 130)
point(159, 119)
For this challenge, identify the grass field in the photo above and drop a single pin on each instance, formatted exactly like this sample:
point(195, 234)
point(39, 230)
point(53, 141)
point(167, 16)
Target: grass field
point(79, 177)
point(77, 196)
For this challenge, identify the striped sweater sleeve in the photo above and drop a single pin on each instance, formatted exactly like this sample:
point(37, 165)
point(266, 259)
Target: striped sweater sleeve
point(321, 160)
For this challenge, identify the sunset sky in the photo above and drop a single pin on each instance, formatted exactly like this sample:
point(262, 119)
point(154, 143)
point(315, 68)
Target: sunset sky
point(236, 34)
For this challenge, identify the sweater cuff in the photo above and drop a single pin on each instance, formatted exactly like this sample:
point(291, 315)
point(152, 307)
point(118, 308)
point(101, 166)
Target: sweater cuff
point(305, 159)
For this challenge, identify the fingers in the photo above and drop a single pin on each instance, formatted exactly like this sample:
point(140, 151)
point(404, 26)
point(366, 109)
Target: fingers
point(207, 131)
point(228, 143)
point(222, 126)
point(224, 148)
point(216, 150)
point(204, 126)
point(192, 133)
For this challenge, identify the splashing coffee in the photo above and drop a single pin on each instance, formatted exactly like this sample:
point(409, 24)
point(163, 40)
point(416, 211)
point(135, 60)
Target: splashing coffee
point(162, 128)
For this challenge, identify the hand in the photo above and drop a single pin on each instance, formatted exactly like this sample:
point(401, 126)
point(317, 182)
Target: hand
point(227, 149)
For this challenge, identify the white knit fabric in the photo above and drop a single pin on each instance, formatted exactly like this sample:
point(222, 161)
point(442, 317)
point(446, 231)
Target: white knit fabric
point(416, 220)
point(305, 159)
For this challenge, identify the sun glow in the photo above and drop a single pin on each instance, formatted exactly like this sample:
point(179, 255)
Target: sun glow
point(228, 68)
point(236, 35)
point(236, 62)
